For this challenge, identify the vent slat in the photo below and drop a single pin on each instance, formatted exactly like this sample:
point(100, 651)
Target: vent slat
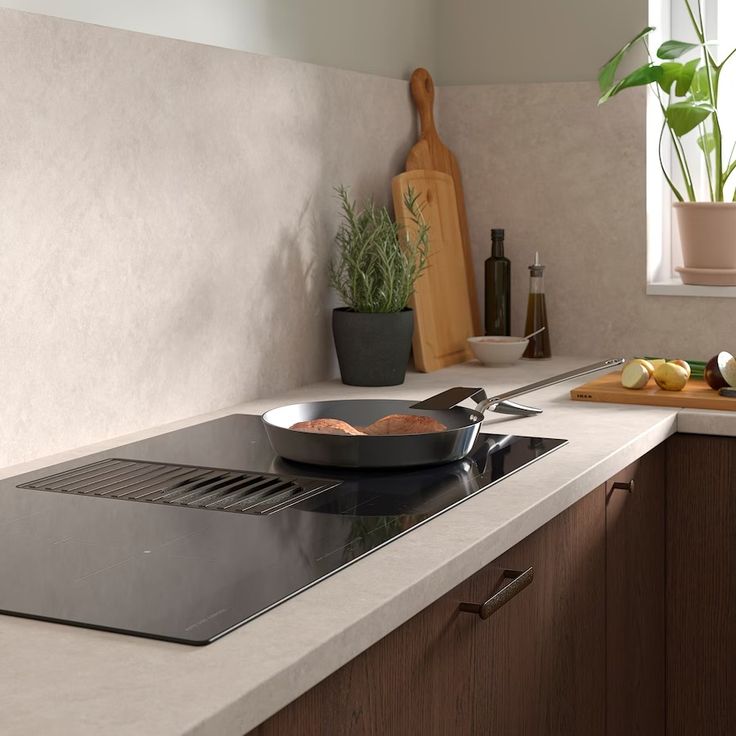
point(162, 484)
point(236, 486)
point(109, 483)
point(86, 485)
point(93, 473)
point(187, 486)
point(275, 496)
point(170, 485)
point(195, 489)
point(79, 471)
point(255, 492)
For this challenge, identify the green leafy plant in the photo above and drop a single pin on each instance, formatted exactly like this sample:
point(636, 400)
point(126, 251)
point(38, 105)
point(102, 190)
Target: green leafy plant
point(378, 261)
point(687, 92)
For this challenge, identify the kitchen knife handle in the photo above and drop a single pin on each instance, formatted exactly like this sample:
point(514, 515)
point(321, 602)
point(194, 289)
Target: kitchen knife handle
point(518, 581)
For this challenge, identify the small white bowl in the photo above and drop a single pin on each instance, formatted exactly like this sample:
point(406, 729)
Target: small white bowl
point(497, 350)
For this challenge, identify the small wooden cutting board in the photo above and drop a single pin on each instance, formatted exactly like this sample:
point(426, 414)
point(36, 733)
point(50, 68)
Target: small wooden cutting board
point(443, 315)
point(697, 394)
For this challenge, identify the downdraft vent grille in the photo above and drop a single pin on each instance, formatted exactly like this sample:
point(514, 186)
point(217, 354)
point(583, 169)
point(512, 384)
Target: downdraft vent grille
point(184, 485)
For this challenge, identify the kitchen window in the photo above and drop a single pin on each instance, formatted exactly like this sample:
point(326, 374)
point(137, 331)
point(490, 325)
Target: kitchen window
point(670, 19)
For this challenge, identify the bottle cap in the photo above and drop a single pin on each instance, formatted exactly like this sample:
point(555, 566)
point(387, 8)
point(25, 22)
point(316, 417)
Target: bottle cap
point(536, 268)
point(497, 232)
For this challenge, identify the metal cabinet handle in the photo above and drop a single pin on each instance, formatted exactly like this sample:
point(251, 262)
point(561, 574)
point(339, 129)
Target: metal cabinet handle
point(519, 581)
point(620, 485)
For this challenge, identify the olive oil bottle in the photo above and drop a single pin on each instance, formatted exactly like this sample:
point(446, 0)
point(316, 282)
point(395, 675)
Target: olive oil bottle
point(498, 288)
point(536, 314)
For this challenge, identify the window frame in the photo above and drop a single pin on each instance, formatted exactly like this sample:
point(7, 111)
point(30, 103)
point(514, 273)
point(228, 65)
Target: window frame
point(669, 18)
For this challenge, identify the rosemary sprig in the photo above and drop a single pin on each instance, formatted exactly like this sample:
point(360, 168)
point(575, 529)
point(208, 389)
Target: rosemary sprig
point(378, 261)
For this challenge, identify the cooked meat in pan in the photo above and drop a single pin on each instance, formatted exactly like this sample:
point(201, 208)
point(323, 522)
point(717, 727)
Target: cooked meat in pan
point(326, 426)
point(389, 425)
point(405, 424)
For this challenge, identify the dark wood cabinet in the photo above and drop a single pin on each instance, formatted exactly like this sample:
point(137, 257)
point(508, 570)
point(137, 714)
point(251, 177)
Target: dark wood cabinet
point(412, 681)
point(628, 628)
point(635, 580)
point(539, 662)
point(536, 666)
point(701, 586)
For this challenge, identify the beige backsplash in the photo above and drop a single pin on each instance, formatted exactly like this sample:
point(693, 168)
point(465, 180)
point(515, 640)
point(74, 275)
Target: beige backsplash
point(567, 178)
point(167, 217)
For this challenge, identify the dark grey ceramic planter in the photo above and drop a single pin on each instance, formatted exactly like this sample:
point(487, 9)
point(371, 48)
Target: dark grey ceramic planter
point(372, 349)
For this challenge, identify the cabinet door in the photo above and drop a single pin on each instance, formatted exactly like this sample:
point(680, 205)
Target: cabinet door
point(536, 666)
point(539, 662)
point(635, 572)
point(701, 586)
point(410, 682)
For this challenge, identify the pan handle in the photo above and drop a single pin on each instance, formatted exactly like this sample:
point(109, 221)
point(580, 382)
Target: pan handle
point(491, 403)
point(501, 403)
point(452, 397)
point(516, 410)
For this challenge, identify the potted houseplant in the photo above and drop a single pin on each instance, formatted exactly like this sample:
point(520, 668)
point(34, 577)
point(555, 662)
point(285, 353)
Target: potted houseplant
point(687, 92)
point(374, 271)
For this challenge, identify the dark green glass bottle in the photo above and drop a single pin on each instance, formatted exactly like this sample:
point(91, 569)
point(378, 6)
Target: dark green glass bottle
point(498, 288)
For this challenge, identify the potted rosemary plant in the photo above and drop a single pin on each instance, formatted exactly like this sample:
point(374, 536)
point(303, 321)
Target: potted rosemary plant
point(687, 91)
point(374, 272)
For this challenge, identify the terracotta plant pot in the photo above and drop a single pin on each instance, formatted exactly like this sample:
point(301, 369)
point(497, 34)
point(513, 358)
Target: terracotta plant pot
point(708, 238)
point(372, 349)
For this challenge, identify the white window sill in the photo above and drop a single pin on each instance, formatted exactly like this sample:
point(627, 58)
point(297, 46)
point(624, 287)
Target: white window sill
point(675, 287)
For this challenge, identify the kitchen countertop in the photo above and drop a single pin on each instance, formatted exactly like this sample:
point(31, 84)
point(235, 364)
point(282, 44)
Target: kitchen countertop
point(58, 679)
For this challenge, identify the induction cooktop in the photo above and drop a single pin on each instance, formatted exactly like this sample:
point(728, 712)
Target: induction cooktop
point(190, 534)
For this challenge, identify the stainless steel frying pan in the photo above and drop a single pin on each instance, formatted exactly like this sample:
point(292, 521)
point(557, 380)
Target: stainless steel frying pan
point(399, 451)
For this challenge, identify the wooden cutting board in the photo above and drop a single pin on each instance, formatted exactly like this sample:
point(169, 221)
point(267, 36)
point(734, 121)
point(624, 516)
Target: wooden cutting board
point(432, 154)
point(696, 394)
point(443, 316)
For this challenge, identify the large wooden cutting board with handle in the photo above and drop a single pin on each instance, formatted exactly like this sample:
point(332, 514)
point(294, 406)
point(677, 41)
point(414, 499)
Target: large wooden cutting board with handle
point(443, 317)
point(696, 394)
point(430, 153)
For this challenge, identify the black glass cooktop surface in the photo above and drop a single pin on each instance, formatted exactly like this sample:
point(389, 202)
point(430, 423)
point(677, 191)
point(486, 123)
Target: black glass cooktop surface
point(249, 530)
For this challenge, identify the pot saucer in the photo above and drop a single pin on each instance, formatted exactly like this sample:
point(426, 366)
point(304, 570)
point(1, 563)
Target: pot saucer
point(707, 276)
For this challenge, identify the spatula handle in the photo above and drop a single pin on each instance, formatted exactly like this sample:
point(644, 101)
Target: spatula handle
point(449, 398)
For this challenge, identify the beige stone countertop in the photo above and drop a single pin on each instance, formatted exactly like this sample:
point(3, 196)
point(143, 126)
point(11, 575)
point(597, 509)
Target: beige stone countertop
point(58, 679)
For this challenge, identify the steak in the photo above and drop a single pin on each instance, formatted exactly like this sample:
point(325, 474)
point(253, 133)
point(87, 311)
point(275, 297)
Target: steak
point(326, 426)
point(405, 424)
